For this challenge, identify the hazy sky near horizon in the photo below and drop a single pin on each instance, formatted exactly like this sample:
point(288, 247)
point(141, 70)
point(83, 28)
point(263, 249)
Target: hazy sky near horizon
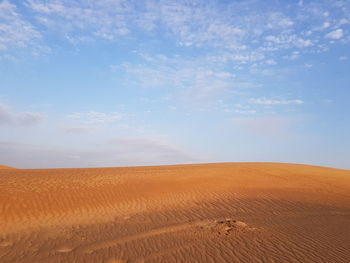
point(120, 83)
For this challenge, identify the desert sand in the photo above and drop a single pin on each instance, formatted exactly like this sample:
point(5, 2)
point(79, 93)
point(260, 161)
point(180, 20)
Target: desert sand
point(6, 167)
point(229, 212)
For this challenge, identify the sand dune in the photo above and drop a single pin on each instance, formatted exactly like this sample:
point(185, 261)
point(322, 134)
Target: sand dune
point(232, 212)
point(6, 167)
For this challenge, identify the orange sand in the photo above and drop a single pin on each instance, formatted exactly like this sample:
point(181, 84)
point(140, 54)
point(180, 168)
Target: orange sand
point(232, 212)
point(6, 167)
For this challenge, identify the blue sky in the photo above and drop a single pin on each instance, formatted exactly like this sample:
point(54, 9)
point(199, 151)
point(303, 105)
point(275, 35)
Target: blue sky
point(120, 83)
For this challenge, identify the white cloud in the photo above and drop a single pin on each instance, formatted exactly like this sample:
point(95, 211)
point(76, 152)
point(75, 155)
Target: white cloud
point(287, 41)
point(264, 101)
point(228, 27)
point(84, 20)
point(262, 71)
point(343, 21)
point(335, 34)
point(343, 58)
point(279, 20)
point(326, 25)
point(15, 32)
point(190, 79)
point(10, 117)
point(198, 24)
point(94, 117)
point(271, 62)
point(239, 57)
point(294, 56)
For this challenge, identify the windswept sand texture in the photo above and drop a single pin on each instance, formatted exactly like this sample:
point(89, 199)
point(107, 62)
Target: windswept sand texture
point(239, 212)
point(6, 167)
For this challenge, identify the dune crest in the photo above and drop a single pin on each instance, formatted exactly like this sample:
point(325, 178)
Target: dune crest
point(229, 212)
point(6, 167)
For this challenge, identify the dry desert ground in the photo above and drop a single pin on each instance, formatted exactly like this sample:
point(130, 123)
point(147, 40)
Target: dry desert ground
point(229, 212)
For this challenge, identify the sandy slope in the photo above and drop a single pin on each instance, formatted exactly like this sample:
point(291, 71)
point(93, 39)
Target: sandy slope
point(6, 167)
point(241, 212)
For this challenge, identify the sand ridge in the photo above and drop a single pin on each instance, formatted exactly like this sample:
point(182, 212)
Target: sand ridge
point(229, 212)
point(6, 167)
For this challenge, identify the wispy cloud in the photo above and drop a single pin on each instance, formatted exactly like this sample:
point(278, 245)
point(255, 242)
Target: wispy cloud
point(83, 20)
point(188, 78)
point(287, 41)
point(225, 26)
point(294, 56)
point(265, 101)
point(94, 117)
point(15, 31)
point(271, 62)
point(263, 55)
point(10, 117)
point(335, 34)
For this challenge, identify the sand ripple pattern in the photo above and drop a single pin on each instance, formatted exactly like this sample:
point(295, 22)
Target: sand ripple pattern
point(242, 212)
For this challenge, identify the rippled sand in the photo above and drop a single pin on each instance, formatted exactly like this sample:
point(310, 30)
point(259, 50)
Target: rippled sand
point(232, 212)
